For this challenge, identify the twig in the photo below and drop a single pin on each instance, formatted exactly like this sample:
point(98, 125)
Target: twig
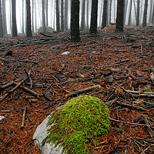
point(23, 118)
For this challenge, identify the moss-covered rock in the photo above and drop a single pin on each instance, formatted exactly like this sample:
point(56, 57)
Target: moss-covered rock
point(74, 125)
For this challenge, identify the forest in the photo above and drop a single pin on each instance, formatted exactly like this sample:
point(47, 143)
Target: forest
point(54, 53)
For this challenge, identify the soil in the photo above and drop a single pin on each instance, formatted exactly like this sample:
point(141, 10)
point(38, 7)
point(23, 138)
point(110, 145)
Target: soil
point(117, 61)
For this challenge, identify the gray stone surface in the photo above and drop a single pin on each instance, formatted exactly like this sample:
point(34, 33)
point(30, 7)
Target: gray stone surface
point(40, 134)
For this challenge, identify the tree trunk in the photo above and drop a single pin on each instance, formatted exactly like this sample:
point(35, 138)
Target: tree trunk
point(1, 25)
point(110, 11)
point(23, 17)
point(130, 14)
point(57, 16)
point(138, 13)
point(87, 14)
point(75, 33)
point(134, 9)
point(104, 19)
point(14, 24)
point(62, 15)
point(83, 15)
point(33, 17)
point(93, 25)
point(145, 14)
point(66, 15)
point(4, 17)
point(150, 12)
point(153, 14)
point(125, 11)
point(120, 15)
point(43, 17)
point(28, 21)
point(47, 13)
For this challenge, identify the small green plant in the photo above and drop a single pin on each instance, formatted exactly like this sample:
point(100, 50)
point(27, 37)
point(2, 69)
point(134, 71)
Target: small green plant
point(77, 123)
point(147, 89)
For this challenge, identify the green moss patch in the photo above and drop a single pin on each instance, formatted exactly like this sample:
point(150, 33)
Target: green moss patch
point(74, 125)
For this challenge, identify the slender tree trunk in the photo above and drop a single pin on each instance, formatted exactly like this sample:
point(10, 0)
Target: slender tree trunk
point(4, 17)
point(23, 17)
point(43, 17)
point(1, 25)
point(150, 12)
point(33, 17)
point(138, 13)
point(47, 13)
point(120, 15)
point(125, 10)
point(93, 25)
point(28, 19)
point(75, 33)
point(87, 14)
point(153, 14)
point(62, 15)
point(57, 16)
point(134, 9)
point(145, 14)
point(66, 15)
point(104, 19)
point(14, 24)
point(83, 15)
point(110, 11)
point(130, 14)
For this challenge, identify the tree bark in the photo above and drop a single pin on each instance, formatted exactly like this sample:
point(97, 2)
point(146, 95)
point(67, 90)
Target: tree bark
point(62, 15)
point(57, 16)
point(138, 13)
point(4, 17)
point(125, 11)
point(120, 15)
point(23, 17)
point(14, 24)
point(75, 33)
point(83, 15)
point(104, 19)
point(28, 19)
point(87, 14)
point(130, 14)
point(43, 17)
point(93, 25)
point(153, 14)
point(66, 15)
point(1, 25)
point(145, 14)
point(47, 13)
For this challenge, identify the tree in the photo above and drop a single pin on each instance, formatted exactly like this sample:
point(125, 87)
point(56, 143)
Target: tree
point(104, 19)
point(150, 15)
point(145, 14)
point(93, 24)
point(62, 15)
point(87, 14)
point(153, 14)
point(57, 15)
point(83, 15)
point(4, 17)
point(1, 25)
point(120, 15)
point(66, 15)
point(43, 17)
point(14, 24)
point(28, 19)
point(110, 11)
point(23, 16)
point(47, 13)
point(75, 33)
point(138, 13)
point(130, 13)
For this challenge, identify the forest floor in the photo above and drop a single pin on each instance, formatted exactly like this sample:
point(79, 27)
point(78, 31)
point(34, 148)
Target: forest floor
point(122, 63)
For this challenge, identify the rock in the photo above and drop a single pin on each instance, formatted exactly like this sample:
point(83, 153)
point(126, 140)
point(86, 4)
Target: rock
point(65, 53)
point(2, 117)
point(38, 137)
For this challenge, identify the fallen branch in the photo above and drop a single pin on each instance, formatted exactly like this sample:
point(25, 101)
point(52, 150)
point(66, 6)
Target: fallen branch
point(82, 91)
point(131, 106)
point(23, 118)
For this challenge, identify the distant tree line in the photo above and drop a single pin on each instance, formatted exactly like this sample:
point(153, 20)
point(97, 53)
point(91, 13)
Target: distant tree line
point(74, 15)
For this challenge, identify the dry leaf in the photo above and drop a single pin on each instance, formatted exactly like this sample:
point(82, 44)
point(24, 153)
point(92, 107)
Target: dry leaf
point(119, 91)
point(138, 101)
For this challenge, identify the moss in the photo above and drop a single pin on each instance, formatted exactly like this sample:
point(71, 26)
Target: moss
point(74, 125)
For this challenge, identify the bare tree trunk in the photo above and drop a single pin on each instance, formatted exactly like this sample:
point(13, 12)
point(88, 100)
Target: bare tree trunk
point(130, 14)
point(4, 17)
point(153, 14)
point(28, 19)
point(62, 15)
point(32, 17)
point(120, 15)
point(110, 11)
point(23, 17)
point(125, 10)
point(35, 17)
point(138, 13)
point(1, 25)
point(87, 14)
point(104, 18)
point(134, 9)
point(47, 13)
point(14, 24)
point(66, 15)
point(43, 17)
point(150, 12)
point(93, 25)
point(145, 14)
point(83, 15)
point(57, 16)
point(75, 33)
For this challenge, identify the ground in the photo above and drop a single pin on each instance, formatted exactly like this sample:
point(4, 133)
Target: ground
point(117, 61)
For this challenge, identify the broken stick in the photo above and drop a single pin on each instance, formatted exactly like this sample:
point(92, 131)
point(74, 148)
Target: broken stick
point(23, 117)
point(82, 91)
